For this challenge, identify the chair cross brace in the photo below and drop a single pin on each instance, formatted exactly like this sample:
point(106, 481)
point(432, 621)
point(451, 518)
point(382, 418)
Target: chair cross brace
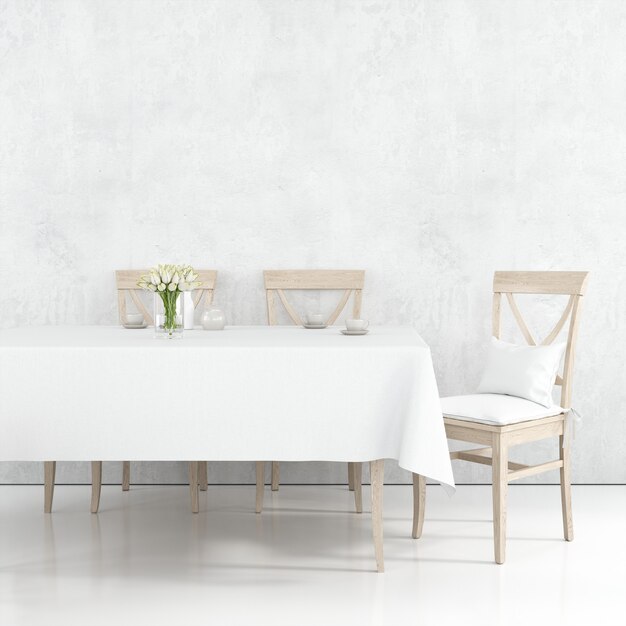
point(552, 335)
point(515, 470)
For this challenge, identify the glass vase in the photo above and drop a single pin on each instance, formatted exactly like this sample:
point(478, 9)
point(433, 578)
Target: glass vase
point(168, 315)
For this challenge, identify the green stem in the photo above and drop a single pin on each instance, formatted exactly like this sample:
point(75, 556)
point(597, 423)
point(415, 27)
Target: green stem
point(169, 299)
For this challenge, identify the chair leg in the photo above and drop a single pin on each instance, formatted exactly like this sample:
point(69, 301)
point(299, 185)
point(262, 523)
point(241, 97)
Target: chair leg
point(419, 504)
point(351, 476)
point(357, 469)
point(566, 491)
point(377, 478)
point(203, 475)
point(275, 475)
point(125, 475)
point(49, 470)
point(96, 485)
point(499, 471)
point(260, 485)
point(193, 486)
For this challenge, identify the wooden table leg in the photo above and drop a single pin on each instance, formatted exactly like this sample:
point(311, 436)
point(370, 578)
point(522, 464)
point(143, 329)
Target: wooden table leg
point(125, 475)
point(356, 484)
point(203, 475)
point(376, 478)
point(419, 504)
point(96, 485)
point(49, 470)
point(260, 485)
point(275, 475)
point(351, 476)
point(193, 486)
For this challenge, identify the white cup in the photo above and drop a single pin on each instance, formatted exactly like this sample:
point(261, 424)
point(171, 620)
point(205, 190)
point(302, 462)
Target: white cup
point(316, 319)
point(357, 324)
point(134, 319)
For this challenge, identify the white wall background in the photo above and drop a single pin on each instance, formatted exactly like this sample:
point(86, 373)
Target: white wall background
point(427, 142)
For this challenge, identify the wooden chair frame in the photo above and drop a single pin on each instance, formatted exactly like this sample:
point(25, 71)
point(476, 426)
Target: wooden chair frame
point(497, 440)
point(126, 284)
point(277, 282)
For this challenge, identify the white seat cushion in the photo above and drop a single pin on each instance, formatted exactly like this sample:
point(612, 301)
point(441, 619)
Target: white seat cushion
point(493, 408)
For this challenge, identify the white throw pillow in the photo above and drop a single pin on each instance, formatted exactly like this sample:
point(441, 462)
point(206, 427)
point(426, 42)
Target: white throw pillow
point(523, 371)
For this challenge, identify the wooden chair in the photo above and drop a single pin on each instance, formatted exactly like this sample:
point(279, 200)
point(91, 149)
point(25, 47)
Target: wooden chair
point(277, 282)
point(126, 281)
point(498, 439)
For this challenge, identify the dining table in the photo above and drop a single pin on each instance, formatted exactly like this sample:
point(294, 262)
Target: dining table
point(247, 393)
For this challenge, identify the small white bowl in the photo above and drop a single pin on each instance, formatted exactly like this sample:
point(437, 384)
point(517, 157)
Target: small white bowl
point(134, 319)
point(315, 319)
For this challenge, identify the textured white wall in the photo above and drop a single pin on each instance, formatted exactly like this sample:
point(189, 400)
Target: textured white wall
point(427, 142)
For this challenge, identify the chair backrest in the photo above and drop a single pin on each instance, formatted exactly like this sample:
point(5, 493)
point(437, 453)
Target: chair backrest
point(126, 281)
point(279, 281)
point(573, 284)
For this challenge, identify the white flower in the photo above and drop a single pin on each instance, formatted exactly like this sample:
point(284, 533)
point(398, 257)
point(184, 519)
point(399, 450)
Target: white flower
point(145, 282)
point(170, 277)
point(166, 273)
point(190, 275)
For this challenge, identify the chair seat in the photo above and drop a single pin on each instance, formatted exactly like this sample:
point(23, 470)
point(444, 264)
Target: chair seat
point(493, 408)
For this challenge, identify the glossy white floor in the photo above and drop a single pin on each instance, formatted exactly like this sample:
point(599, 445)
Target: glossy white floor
point(145, 559)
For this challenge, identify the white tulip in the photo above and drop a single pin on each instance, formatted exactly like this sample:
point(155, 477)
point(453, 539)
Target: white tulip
point(167, 276)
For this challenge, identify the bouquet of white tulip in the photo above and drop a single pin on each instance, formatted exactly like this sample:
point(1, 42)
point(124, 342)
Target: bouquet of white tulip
point(168, 282)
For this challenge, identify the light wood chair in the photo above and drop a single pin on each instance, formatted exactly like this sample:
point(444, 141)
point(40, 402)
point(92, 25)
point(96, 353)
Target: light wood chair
point(126, 281)
point(277, 282)
point(498, 439)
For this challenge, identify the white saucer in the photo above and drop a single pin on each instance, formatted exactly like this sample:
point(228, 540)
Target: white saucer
point(135, 326)
point(354, 332)
point(315, 325)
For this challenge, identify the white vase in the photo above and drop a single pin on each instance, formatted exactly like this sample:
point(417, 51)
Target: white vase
point(188, 310)
point(214, 319)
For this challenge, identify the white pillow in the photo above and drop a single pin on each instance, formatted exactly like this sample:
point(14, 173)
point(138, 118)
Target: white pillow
point(523, 371)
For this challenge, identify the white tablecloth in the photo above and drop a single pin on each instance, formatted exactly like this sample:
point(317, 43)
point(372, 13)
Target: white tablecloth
point(245, 393)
